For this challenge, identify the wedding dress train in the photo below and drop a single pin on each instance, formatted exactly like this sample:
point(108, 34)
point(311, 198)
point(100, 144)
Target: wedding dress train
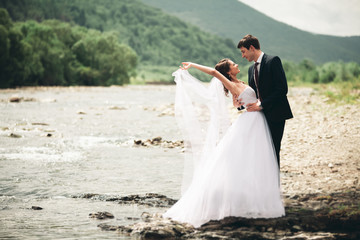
point(238, 175)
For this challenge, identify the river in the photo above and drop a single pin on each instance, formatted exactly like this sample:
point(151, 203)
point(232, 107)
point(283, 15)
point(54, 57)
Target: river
point(59, 142)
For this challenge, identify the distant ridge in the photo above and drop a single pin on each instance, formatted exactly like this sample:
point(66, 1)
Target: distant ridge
point(233, 19)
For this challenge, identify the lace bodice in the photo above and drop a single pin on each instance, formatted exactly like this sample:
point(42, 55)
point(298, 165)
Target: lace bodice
point(248, 96)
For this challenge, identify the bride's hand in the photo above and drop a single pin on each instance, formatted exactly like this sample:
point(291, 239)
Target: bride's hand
point(185, 65)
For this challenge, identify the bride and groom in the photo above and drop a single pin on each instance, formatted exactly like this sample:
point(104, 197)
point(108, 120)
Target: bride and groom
point(235, 169)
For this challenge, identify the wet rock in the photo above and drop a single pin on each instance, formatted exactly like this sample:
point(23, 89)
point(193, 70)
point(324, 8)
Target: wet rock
point(296, 228)
point(39, 123)
point(302, 221)
point(106, 227)
point(155, 227)
point(158, 141)
point(36, 208)
point(101, 215)
point(121, 229)
point(132, 218)
point(149, 199)
point(145, 216)
point(87, 195)
point(15, 99)
point(14, 135)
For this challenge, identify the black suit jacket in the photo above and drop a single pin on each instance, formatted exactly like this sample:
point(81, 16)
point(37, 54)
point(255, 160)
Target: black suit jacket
point(272, 88)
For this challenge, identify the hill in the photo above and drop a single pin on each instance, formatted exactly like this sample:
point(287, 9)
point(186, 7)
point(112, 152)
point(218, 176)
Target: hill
point(233, 19)
point(157, 38)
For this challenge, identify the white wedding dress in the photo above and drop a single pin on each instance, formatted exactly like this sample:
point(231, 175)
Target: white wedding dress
point(235, 170)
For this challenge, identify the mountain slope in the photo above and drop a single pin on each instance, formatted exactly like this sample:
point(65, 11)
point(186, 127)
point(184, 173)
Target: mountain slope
point(233, 19)
point(157, 38)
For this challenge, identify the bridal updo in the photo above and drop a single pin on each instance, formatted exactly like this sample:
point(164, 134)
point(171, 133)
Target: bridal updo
point(223, 66)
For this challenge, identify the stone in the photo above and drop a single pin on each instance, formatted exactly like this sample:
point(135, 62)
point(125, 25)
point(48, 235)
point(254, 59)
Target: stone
point(296, 228)
point(158, 141)
point(15, 99)
point(117, 108)
point(309, 216)
point(39, 123)
point(132, 218)
point(14, 135)
point(101, 215)
point(36, 208)
point(149, 199)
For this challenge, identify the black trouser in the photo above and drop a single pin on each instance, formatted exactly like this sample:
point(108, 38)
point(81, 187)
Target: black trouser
point(277, 131)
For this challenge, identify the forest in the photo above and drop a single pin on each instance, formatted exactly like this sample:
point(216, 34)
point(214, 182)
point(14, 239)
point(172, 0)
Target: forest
point(55, 53)
point(47, 42)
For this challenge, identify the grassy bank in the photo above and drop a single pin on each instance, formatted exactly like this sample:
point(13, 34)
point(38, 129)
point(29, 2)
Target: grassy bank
point(336, 92)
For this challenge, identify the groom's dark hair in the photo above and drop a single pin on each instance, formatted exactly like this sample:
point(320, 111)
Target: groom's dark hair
point(249, 40)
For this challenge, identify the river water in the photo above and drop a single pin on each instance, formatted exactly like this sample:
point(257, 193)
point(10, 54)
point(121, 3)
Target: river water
point(61, 142)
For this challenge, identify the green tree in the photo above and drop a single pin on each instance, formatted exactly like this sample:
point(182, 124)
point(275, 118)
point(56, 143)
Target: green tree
point(114, 62)
point(5, 19)
point(58, 53)
point(11, 53)
point(308, 71)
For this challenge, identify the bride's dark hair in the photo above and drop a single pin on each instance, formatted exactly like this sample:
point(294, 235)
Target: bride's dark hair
point(223, 66)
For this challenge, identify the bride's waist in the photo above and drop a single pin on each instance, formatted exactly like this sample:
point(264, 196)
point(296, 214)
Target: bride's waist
point(261, 113)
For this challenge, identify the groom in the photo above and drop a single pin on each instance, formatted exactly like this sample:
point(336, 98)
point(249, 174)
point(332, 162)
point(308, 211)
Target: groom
point(267, 78)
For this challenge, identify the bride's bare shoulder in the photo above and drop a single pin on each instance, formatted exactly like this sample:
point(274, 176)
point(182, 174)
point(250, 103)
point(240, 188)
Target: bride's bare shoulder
point(242, 86)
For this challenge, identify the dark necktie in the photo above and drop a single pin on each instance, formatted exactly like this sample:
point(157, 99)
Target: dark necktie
point(257, 79)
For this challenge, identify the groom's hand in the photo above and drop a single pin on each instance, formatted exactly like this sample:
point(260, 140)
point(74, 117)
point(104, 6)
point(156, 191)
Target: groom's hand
point(254, 107)
point(237, 102)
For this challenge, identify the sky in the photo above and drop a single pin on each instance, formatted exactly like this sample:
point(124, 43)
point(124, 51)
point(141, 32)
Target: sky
point(330, 17)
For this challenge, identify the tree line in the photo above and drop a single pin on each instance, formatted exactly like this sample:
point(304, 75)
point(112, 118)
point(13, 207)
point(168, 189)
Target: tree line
point(56, 53)
point(109, 42)
point(307, 71)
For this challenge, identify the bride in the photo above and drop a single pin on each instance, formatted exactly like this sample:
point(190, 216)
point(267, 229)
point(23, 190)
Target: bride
point(234, 171)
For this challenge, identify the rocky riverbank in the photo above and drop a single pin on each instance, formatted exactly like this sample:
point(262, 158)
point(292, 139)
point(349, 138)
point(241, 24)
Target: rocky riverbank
point(319, 174)
point(308, 216)
point(319, 161)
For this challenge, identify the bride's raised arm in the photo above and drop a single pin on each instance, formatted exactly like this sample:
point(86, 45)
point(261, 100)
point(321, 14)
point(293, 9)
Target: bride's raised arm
point(213, 72)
